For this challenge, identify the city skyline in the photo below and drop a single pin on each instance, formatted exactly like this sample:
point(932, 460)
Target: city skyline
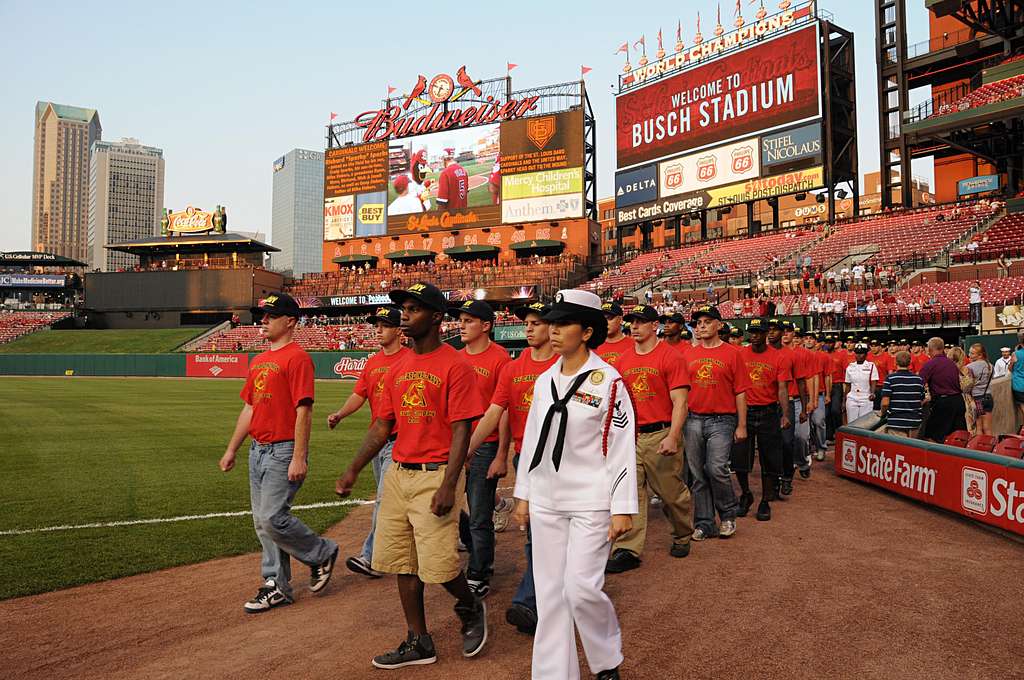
point(223, 112)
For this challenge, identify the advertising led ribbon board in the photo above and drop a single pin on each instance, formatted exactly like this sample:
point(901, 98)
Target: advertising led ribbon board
point(773, 84)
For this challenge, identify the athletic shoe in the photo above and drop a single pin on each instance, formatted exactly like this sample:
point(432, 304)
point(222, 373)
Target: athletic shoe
point(413, 651)
point(502, 513)
point(786, 487)
point(764, 511)
point(805, 473)
point(320, 574)
point(746, 500)
point(679, 550)
point(612, 674)
point(462, 547)
point(360, 566)
point(522, 617)
point(655, 500)
point(474, 627)
point(727, 529)
point(620, 561)
point(267, 597)
point(820, 455)
point(698, 534)
point(480, 587)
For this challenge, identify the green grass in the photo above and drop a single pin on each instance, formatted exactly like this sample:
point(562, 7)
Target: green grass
point(83, 450)
point(132, 341)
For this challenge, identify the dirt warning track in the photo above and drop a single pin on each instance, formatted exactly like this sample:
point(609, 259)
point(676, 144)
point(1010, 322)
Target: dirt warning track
point(846, 581)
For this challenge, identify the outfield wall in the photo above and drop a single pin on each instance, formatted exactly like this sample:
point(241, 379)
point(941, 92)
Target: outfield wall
point(343, 365)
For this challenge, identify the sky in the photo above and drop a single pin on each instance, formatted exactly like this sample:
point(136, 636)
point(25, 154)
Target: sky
point(224, 88)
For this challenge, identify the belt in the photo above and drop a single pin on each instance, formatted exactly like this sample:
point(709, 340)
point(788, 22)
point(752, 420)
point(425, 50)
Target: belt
point(710, 415)
point(653, 427)
point(762, 407)
point(946, 396)
point(428, 467)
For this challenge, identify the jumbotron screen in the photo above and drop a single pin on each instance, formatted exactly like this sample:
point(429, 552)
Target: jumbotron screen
point(743, 127)
point(523, 170)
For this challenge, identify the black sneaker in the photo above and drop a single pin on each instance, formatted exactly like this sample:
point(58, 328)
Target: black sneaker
point(522, 617)
point(764, 512)
point(414, 651)
point(679, 550)
point(746, 500)
point(805, 473)
point(785, 487)
point(612, 674)
point(320, 574)
point(620, 561)
point(480, 587)
point(358, 565)
point(474, 627)
point(266, 598)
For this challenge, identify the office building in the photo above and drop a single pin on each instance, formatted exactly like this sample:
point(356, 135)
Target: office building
point(297, 216)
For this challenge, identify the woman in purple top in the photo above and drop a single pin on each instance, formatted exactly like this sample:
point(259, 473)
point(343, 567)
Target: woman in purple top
point(942, 379)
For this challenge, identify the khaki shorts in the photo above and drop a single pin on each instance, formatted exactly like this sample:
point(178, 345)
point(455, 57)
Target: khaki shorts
point(409, 538)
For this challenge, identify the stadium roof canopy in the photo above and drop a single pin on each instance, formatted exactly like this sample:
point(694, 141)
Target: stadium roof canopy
point(353, 259)
point(195, 243)
point(411, 254)
point(30, 258)
point(538, 245)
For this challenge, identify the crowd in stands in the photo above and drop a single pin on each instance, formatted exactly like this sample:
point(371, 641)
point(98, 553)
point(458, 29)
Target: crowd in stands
point(990, 93)
point(1004, 240)
point(14, 324)
point(185, 264)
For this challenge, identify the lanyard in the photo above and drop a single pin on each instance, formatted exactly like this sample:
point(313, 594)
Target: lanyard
point(559, 406)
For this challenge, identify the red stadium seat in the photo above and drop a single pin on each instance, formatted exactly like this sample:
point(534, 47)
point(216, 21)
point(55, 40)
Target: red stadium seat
point(1010, 446)
point(958, 438)
point(982, 442)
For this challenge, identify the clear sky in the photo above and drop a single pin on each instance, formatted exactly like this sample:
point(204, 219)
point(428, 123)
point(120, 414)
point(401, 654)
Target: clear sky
point(224, 88)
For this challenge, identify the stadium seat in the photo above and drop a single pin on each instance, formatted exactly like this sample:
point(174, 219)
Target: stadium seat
point(958, 438)
point(982, 442)
point(1011, 446)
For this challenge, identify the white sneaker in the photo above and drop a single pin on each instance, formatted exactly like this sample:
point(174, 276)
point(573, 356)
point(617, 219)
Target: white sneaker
point(727, 528)
point(820, 455)
point(267, 597)
point(502, 513)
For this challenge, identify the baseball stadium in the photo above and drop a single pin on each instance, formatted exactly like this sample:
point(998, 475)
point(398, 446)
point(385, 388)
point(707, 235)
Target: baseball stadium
point(821, 373)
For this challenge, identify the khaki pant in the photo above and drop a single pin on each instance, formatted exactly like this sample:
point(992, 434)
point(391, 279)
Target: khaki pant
point(663, 474)
point(902, 432)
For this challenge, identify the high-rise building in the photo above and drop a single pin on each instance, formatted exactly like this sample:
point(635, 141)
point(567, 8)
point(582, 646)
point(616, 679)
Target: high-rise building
point(126, 198)
point(297, 216)
point(60, 178)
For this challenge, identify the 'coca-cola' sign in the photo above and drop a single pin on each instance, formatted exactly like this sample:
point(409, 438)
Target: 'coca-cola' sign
point(190, 220)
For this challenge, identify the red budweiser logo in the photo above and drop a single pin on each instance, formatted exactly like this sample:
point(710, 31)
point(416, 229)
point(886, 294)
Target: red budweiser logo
point(349, 367)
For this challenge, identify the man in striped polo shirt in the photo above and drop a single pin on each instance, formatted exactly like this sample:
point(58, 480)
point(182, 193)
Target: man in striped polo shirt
point(902, 396)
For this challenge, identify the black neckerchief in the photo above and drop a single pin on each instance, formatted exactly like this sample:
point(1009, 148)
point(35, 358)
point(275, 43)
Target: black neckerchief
point(559, 406)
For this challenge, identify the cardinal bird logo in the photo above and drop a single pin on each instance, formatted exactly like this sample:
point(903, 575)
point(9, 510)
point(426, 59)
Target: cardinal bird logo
point(415, 395)
point(420, 88)
point(467, 83)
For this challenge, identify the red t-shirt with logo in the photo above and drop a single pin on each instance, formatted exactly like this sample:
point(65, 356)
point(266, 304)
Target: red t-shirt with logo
point(371, 383)
point(453, 187)
point(885, 364)
point(487, 365)
point(424, 395)
point(716, 376)
point(611, 351)
point(682, 347)
point(824, 368)
point(279, 380)
point(917, 361)
point(514, 392)
point(765, 370)
point(840, 360)
point(804, 367)
point(649, 378)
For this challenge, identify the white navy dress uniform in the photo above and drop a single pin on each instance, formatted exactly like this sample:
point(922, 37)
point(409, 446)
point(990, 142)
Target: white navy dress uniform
point(577, 469)
point(860, 400)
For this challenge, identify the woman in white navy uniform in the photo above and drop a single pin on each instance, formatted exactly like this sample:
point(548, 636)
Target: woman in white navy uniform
point(576, 486)
point(861, 378)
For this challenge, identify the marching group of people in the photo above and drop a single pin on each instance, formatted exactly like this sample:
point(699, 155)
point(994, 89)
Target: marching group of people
point(599, 426)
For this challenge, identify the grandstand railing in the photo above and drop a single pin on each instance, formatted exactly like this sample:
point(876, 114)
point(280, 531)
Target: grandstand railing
point(941, 42)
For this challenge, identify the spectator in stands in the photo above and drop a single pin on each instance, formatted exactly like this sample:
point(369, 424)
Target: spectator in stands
point(975, 301)
point(1002, 366)
point(959, 357)
point(942, 379)
point(1017, 374)
point(839, 311)
point(981, 371)
point(902, 398)
point(1003, 266)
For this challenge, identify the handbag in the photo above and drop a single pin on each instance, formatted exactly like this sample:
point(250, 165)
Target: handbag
point(987, 402)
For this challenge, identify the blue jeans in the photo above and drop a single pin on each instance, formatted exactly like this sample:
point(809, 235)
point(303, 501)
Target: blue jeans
point(480, 495)
point(281, 533)
point(708, 448)
point(794, 441)
point(381, 463)
point(526, 593)
point(818, 423)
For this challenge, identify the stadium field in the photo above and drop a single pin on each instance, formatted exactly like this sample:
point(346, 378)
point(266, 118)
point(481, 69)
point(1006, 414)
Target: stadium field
point(93, 450)
point(148, 341)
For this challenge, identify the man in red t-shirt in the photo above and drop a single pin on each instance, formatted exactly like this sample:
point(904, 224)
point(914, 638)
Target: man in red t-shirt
point(453, 184)
point(839, 359)
point(770, 371)
point(885, 364)
point(918, 357)
point(514, 396)
point(617, 341)
point(370, 387)
point(657, 382)
point(431, 399)
point(278, 396)
point(476, 323)
point(820, 400)
point(717, 404)
point(672, 328)
point(794, 438)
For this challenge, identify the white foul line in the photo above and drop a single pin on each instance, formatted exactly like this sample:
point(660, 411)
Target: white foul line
point(165, 520)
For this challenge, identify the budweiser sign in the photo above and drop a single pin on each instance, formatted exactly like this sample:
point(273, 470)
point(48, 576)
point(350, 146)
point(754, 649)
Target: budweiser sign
point(349, 368)
point(190, 220)
point(444, 95)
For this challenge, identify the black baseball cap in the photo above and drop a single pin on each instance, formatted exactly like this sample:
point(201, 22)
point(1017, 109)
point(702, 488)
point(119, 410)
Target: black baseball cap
point(686, 334)
point(476, 308)
point(279, 304)
point(538, 308)
point(735, 332)
point(775, 323)
point(757, 326)
point(710, 311)
point(642, 313)
point(674, 317)
point(611, 309)
point(426, 293)
point(797, 331)
point(392, 316)
point(788, 325)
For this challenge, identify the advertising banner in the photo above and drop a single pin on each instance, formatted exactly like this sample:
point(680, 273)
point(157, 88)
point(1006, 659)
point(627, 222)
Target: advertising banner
point(981, 486)
point(977, 185)
point(636, 186)
point(370, 214)
point(355, 169)
point(494, 293)
point(543, 183)
point(786, 149)
point(32, 281)
point(544, 208)
point(542, 143)
point(712, 168)
point(765, 187)
point(216, 365)
point(339, 217)
point(772, 84)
